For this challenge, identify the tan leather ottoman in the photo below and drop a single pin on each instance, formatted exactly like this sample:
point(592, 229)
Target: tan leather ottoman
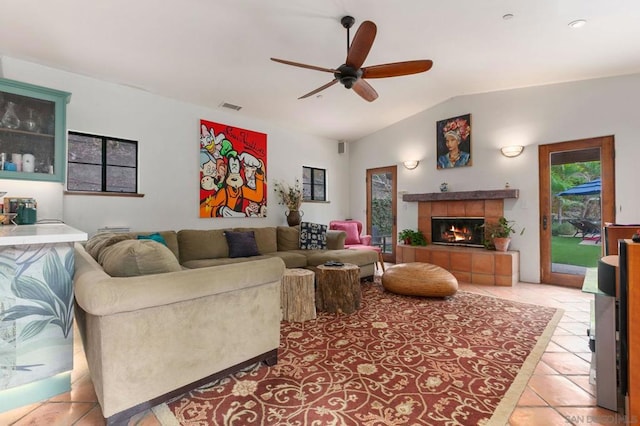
point(419, 279)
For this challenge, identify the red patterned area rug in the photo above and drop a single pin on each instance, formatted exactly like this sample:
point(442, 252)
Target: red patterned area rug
point(398, 360)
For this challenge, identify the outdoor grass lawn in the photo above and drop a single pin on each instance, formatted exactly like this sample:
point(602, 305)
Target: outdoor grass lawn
point(568, 251)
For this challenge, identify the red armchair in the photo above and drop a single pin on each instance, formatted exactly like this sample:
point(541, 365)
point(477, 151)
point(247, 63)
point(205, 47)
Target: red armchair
point(355, 240)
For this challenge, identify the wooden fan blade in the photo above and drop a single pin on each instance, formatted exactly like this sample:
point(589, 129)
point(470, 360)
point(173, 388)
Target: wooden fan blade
point(313, 92)
point(396, 69)
point(311, 67)
point(365, 90)
point(361, 44)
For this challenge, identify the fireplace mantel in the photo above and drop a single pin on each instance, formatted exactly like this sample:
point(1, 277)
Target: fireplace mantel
point(494, 194)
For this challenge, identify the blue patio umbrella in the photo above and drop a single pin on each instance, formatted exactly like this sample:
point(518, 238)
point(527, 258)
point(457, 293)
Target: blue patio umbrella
point(588, 188)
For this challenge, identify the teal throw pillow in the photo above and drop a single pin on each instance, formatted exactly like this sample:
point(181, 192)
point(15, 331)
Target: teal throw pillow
point(155, 237)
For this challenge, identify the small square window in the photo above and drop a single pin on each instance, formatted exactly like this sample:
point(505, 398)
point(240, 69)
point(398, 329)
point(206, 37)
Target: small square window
point(314, 184)
point(102, 164)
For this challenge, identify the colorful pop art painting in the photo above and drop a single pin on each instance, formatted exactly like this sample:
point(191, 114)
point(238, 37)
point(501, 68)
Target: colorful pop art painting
point(233, 166)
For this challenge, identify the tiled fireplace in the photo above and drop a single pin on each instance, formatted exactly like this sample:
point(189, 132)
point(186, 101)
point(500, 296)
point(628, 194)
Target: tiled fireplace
point(468, 264)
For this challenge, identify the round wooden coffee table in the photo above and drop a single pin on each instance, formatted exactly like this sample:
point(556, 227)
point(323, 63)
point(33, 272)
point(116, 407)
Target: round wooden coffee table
point(338, 288)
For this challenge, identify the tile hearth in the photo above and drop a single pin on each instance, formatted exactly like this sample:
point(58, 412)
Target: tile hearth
point(467, 264)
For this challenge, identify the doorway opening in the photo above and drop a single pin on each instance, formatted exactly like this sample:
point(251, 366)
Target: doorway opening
point(381, 210)
point(576, 198)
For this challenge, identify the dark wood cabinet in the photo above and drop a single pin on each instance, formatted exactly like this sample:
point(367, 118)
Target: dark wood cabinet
point(630, 327)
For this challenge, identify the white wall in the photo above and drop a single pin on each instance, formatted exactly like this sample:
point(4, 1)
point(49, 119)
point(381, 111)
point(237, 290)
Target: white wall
point(168, 135)
point(167, 131)
point(530, 117)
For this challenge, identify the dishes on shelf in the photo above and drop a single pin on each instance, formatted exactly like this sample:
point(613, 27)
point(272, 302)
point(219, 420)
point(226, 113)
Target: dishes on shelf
point(10, 119)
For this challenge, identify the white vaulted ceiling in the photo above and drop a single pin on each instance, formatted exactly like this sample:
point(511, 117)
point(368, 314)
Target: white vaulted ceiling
point(212, 51)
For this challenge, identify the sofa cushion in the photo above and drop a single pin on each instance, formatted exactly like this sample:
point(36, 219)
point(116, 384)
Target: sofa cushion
point(357, 257)
point(131, 258)
point(102, 240)
point(335, 239)
point(266, 238)
point(241, 243)
point(288, 238)
point(292, 259)
point(92, 242)
point(351, 228)
point(170, 238)
point(202, 244)
point(205, 263)
point(313, 236)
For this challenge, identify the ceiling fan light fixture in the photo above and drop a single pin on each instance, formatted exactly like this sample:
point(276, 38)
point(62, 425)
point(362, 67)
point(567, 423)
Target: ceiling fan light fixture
point(347, 75)
point(351, 74)
point(348, 82)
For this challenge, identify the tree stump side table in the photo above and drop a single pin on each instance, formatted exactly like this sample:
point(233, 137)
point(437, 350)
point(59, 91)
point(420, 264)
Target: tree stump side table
point(297, 295)
point(338, 288)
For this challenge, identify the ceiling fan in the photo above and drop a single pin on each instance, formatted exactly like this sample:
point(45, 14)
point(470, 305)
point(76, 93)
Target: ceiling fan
point(351, 74)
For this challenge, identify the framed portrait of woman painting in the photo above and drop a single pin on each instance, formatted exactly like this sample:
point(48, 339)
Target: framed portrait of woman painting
point(454, 142)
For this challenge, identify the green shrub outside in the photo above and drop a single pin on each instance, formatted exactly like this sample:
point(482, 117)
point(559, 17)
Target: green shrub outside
point(564, 228)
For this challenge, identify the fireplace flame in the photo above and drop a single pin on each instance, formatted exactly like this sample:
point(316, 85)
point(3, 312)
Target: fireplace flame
point(457, 230)
point(458, 234)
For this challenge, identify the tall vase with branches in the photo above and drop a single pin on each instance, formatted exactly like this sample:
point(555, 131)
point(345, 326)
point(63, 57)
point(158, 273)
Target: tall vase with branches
point(291, 197)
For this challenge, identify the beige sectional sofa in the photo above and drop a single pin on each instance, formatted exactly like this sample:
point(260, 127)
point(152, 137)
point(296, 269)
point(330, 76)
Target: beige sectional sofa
point(159, 320)
point(199, 249)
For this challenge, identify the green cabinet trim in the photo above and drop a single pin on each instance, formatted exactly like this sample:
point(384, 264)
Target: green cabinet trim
point(60, 100)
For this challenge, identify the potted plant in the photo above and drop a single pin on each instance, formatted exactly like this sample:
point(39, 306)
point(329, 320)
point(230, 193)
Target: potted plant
point(497, 235)
point(412, 238)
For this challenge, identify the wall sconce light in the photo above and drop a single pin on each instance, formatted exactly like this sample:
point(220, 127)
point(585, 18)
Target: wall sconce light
point(512, 151)
point(410, 165)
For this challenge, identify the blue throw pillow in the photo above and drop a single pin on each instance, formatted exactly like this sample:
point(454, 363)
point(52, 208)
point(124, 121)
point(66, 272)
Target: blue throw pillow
point(241, 243)
point(313, 236)
point(155, 237)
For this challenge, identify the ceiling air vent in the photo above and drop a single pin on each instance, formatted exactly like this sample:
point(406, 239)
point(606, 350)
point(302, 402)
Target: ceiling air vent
point(230, 106)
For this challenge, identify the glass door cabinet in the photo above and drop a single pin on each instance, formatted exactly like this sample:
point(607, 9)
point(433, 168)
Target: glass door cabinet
point(32, 132)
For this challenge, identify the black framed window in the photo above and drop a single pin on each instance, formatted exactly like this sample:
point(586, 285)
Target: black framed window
point(102, 164)
point(314, 184)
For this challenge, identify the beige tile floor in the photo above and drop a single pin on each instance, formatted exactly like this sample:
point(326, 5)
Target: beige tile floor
point(558, 393)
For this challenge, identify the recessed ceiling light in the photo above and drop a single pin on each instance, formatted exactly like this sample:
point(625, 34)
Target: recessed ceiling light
point(507, 16)
point(577, 23)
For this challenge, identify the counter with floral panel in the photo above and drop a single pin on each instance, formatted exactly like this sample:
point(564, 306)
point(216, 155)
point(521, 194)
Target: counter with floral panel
point(36, 311)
